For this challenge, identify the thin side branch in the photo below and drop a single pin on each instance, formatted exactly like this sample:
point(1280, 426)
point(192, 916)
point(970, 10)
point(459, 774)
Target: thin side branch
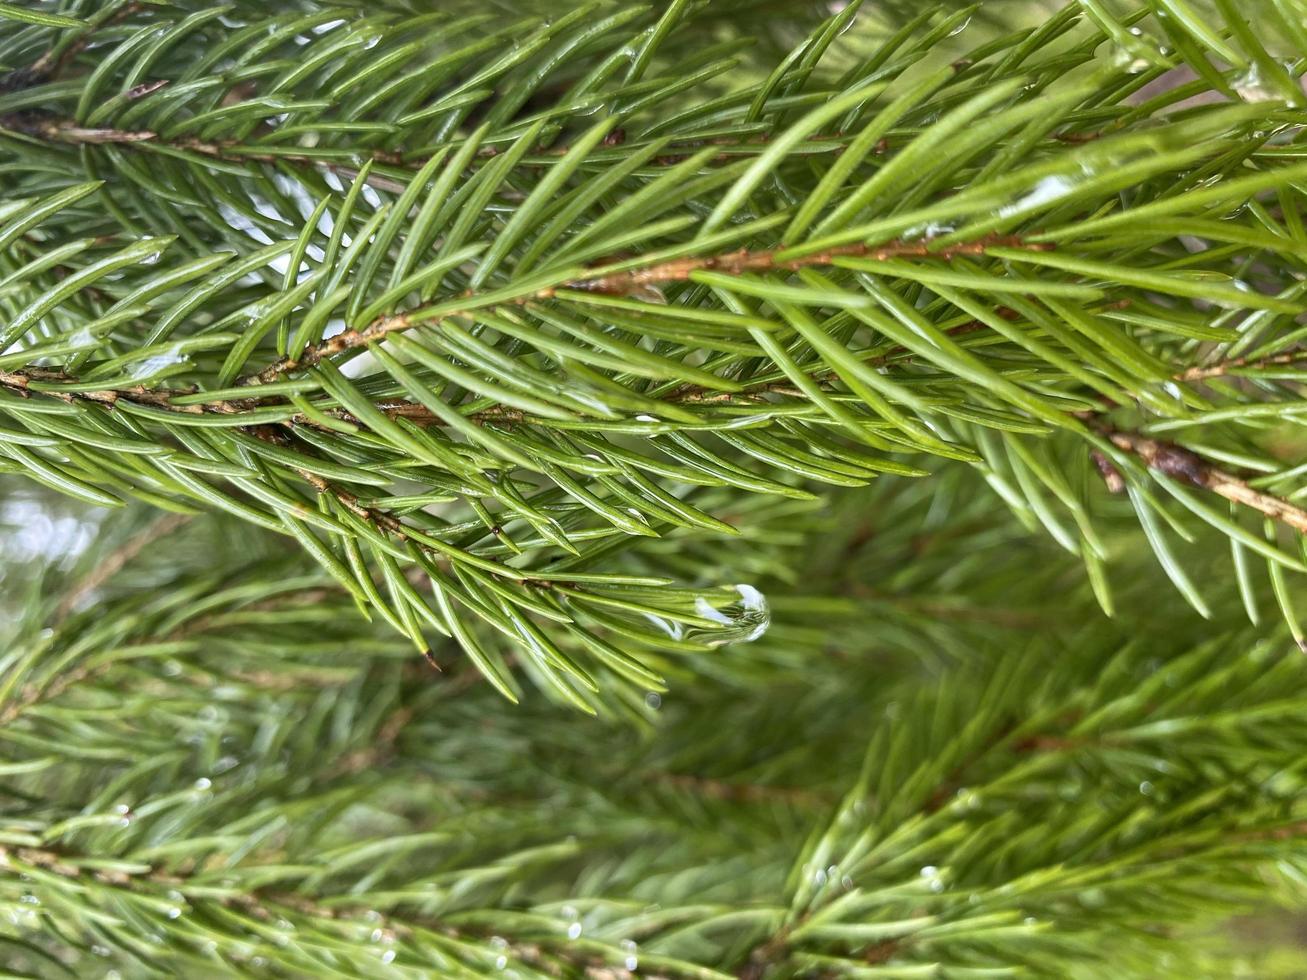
point(632, 280)
point(1223, 368)
point(1188, 467)
point(765, 260)
point(58, 130)
point(20, 382)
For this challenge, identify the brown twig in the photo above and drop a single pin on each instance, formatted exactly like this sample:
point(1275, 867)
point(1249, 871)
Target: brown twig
point(1223, 368)
point(20, 382)
point(377, 518)
point(1107, 470)
point(232, 151)
point(631, 280)
point(767, 260)
point(1188, 467)
point(227, 151)
point(56, 130)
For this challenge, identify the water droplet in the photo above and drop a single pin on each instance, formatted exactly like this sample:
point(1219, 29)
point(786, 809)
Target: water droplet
point(100, 950)
point(654, 700)
point(1146, 788)
point(203, 783)
point(376, 936)
point(388, 956)
point(1046, 191)
point(1129, 61)
point(966, 799)
point(931, 229)
point(675, 630)
point(574, 931)
point(649, 293)
point(122, 808)
point(148, 367)
point(1250, 88)
point(174, 913)
point(819, 877)
point(960, 28)
point(740, 621)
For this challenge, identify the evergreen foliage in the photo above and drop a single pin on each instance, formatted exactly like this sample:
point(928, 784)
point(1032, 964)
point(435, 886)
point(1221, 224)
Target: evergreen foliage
point(864, 439)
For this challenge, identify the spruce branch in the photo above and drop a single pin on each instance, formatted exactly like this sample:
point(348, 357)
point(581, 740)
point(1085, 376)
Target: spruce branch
point(552, 344)
point(772, 288)
point(630, 281)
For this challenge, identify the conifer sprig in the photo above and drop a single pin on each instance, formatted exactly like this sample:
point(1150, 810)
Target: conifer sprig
point(471, 320)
